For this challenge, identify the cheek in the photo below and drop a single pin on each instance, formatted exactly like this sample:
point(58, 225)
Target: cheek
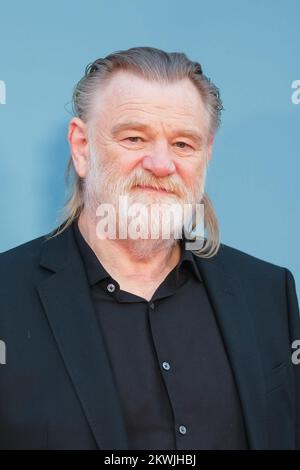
point(190, 170)
point(126, 160)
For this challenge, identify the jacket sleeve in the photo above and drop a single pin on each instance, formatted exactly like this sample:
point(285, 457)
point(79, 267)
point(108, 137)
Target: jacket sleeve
point(294, 327)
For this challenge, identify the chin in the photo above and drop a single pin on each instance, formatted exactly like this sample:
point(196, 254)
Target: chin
point(145, 248)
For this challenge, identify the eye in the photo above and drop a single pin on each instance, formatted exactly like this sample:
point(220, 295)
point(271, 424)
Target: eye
point(134, 139)
point(182, 145)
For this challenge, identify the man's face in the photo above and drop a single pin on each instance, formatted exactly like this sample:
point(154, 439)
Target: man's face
point(147, 135)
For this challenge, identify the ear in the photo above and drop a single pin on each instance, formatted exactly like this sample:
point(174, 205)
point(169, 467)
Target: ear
point(78, 141)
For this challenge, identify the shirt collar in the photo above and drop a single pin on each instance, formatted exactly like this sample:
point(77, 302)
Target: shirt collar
point(96, 272)
point(94, 269)
point(187, 259)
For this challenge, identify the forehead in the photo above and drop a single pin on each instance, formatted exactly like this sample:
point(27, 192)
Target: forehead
point(129, 95)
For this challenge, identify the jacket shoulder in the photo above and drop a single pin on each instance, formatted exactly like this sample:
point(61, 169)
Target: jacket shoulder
point(238, 259)
point(23, 253)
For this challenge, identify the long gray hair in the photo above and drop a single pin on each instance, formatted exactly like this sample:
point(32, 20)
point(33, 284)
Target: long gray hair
point(155, 65)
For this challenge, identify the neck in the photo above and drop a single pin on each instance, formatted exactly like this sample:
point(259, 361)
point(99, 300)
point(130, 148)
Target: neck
point(119, 256)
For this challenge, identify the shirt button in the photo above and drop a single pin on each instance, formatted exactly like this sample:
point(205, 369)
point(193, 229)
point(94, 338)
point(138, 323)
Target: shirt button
point(152, 305)
point(166, 365)
point(182, 429)
point(111, 287)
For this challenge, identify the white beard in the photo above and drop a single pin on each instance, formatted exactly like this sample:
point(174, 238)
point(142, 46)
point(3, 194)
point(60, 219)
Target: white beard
point(103, 186)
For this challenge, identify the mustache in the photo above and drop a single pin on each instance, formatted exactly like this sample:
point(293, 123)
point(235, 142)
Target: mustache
point(170, 184)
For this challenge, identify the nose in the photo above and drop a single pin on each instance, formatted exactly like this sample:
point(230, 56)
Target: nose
point(159, 162)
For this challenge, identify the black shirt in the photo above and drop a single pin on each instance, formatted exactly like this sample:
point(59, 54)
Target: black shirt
point(168, 359)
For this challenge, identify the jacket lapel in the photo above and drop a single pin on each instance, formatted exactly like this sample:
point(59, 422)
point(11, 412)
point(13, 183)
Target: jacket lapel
point(66, 299)
point(238, 333)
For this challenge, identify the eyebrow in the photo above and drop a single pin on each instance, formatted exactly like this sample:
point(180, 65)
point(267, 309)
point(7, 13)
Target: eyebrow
point(139, 126)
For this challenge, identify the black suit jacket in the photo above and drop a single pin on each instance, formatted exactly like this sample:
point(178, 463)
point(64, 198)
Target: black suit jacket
point(57, 389)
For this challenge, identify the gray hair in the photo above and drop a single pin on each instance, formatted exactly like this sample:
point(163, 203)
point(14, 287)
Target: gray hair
point(154, 65)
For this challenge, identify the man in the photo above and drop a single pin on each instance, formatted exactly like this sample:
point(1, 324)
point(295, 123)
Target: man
point(120, 341)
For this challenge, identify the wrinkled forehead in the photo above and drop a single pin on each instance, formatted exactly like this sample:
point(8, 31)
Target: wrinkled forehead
point(128, 95)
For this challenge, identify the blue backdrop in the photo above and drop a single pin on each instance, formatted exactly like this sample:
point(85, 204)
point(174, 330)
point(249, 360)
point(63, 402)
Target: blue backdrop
point(250, 49)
